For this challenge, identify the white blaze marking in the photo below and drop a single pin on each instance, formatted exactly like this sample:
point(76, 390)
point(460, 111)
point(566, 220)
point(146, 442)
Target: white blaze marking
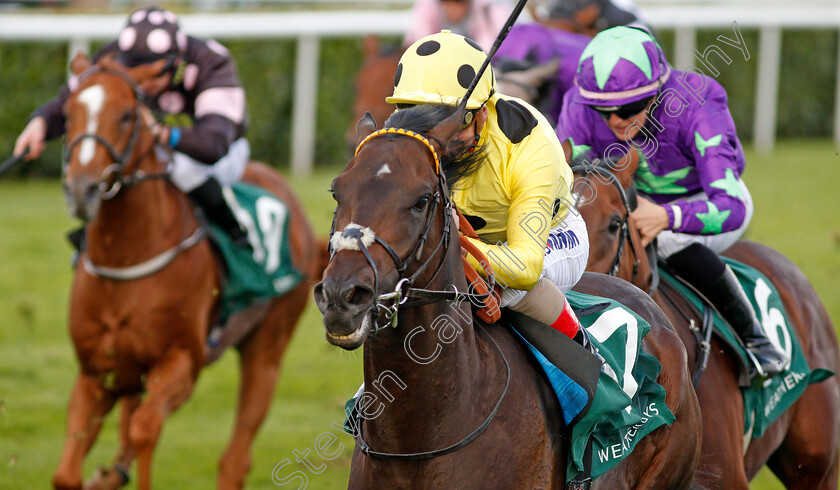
point(385, 170)
point(93, 98)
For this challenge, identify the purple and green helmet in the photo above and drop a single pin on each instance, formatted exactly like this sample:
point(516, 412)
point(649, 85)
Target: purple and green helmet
point(619, 66)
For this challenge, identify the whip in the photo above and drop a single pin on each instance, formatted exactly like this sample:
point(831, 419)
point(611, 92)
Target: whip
point(12, 160)
point(498, 42)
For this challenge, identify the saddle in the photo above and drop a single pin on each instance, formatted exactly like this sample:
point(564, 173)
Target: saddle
point(763, 402)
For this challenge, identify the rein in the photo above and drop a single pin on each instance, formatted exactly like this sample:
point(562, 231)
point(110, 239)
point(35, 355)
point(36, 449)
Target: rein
point(109, 188)
point(365, 449)
point(404, 294)
point(628, 200)
point(113, 179)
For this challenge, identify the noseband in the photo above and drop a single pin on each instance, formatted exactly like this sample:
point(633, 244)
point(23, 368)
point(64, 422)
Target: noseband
point(109, 188)
point(404, 294)
point(112, 179)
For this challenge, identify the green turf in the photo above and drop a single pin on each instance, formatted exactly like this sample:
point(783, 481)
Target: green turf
point(797, 212)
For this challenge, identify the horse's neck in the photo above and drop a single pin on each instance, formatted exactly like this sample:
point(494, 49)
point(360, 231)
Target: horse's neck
point(138, 223)
point(429, 389)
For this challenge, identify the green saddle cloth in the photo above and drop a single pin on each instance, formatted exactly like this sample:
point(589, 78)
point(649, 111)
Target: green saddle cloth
point(763, 405)
point(629, 403)
point(268, 271)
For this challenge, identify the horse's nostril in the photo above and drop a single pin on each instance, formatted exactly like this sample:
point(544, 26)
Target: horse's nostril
point(348, 294)
point(91, 191)
point(358, 295)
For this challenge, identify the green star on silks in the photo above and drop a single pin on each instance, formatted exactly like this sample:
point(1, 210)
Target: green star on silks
point(730, 184)
point(650, 183)
point(624, 43)
point(703, 144)
point(713, 219)
point(578, 149)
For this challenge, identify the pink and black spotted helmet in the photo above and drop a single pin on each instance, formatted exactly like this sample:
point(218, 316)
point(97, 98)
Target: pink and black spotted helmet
point(149, 35)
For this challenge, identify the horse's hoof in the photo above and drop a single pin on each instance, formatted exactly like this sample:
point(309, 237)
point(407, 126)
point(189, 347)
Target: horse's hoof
point(104, 479)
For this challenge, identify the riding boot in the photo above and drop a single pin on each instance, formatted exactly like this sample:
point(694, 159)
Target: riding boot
point(731, 300)
point(77, 240)
point(704, 269)
point(547, 304)
point(209, 196)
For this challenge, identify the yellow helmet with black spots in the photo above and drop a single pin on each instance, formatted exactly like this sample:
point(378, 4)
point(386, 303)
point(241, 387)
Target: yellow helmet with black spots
point(438, 69)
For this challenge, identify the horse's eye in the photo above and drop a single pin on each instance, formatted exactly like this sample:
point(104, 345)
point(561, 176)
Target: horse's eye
point(421, 203)
point(332, 193)
point(615, 225)
point(126, 117)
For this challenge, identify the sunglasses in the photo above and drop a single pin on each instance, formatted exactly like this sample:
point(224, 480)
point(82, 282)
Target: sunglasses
point(625, 111)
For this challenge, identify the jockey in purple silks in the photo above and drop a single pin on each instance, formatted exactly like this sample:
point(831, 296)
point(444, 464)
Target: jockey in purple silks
point(690, 164)
point(536, 44)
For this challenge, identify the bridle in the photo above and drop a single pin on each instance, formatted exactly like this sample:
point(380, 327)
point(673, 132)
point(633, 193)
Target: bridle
point(404, 294)
point(113, 178)
point(629, 200)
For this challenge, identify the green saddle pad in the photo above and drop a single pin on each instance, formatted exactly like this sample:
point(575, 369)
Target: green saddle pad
point(629, 403)
point(268, 271)
point(762, 406)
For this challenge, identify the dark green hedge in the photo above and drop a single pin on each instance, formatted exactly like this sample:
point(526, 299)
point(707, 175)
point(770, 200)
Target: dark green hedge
point(31, 73)
point(807, 79)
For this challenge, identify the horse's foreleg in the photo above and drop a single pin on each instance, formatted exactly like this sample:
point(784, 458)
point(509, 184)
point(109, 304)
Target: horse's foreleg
point(168, 385)
point(259, 358)
point(89, 403)
point(117, 475)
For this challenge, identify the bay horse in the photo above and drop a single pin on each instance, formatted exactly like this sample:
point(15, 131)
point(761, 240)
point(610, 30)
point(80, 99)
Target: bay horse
point(145, 333)
point(801, 446)
point(467, 405)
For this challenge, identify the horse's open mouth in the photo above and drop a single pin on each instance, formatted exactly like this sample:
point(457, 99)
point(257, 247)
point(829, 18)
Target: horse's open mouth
point(354, 339)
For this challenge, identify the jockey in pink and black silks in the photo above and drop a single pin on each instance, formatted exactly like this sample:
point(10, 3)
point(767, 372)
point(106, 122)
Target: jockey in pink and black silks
point(197, 97)
point(690, 163)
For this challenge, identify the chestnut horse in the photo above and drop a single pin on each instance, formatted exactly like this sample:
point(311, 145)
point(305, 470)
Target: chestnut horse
point(468, 406)
point(801, 446)
point(147, 334)
point(373, 82)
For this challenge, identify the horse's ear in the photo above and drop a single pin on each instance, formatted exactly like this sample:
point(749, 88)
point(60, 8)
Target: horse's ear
point(144, 72)
point(626, 167)
point(365, 126)
point(80, 63)
point(446, 129)
point(537, 75)
point(567, 150)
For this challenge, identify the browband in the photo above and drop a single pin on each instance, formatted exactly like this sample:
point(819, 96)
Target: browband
point(419, 137)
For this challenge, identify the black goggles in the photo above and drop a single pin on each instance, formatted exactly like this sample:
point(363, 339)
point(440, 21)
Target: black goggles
point(625, 111)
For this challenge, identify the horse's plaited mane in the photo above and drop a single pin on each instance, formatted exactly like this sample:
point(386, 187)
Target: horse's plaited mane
point(455, 161)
